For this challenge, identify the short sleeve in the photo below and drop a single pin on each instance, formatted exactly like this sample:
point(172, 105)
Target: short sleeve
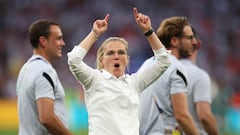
point(202, 88)
point(43, 88)
point(177, 82)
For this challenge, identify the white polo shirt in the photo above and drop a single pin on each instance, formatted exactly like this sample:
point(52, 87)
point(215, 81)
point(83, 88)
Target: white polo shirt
point(199, 89)
point(156, 111)
point(32, 85)
point(112, 103)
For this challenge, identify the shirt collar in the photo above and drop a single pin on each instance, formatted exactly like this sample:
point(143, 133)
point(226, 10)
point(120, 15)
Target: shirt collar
point(187, 61)
point(36, 57)
point(108, 75)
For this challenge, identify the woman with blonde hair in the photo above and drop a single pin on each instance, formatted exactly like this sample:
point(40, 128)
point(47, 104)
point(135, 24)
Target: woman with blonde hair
point(111, 96)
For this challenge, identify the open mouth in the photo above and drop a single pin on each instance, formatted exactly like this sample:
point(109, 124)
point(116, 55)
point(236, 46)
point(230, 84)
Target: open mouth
point(116, 65)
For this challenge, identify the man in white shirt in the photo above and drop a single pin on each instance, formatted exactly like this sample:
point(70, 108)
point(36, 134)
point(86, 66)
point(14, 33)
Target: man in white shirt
point(41, 107)
point(163, 105)
point(199, 93)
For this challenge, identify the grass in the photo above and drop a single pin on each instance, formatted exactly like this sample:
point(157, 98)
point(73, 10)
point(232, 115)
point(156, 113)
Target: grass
point(15, 132)
point(8, 131)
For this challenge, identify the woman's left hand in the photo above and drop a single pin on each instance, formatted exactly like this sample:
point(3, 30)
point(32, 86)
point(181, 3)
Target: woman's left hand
point(142, 20)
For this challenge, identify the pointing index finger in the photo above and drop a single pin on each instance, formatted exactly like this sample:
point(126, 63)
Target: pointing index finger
point(106, 18)
point(135, 12)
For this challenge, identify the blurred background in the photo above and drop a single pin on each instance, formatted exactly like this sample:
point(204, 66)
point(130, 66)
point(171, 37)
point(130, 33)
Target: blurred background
point(216, 21)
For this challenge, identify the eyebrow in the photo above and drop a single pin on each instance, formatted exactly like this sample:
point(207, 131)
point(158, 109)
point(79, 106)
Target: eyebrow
point(60, 37)
point(120, 51)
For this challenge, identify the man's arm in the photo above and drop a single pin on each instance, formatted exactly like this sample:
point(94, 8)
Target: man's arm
point(206, 117)
point(182, 115)
point(48, 118)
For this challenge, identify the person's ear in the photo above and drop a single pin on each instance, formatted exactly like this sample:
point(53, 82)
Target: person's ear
point(100, 62)
point(174, 42)
point(42, 41)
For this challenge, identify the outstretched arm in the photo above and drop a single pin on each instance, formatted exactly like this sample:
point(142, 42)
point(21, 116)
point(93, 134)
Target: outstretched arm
point(144, 23)
point(99, 27)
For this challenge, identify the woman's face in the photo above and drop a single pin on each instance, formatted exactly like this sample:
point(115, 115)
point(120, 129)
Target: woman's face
point(115, 58)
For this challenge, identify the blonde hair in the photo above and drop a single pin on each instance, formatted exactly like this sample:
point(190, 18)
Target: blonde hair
point(102, 48)
point(171, 27)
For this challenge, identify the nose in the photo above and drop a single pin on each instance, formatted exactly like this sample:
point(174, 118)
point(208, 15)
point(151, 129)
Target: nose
point(194, 41)
point(116, 55)
point(63, 43)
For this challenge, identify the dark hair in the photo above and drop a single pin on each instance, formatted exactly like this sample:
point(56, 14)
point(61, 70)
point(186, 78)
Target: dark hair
point(171, 27)
point(39, 28)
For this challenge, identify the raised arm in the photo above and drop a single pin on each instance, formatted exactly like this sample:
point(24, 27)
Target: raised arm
point(150, 74)
point(144, 23)
point(99, 27)
point(79, 69)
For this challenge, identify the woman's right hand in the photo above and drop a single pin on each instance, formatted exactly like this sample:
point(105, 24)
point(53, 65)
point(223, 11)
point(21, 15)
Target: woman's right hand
point(100, 26)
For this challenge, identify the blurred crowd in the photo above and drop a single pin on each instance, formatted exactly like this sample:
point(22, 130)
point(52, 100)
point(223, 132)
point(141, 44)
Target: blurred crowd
point(216, 21)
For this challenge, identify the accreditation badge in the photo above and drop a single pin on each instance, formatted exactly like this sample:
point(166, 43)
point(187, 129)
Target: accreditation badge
point(176, 132)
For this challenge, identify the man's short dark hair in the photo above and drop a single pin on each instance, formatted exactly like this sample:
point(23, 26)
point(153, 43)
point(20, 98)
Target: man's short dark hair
point(39, 28)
